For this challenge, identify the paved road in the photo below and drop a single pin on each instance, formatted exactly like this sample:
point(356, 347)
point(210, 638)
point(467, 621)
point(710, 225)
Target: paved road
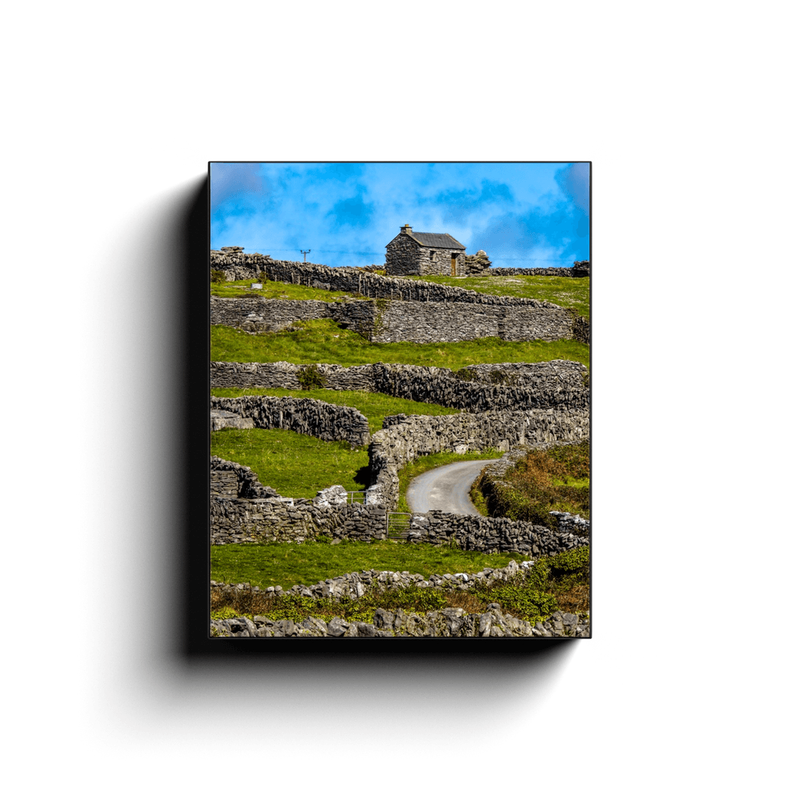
point(446, 488)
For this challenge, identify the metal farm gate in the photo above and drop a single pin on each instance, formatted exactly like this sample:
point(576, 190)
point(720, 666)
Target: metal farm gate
point(398, 525)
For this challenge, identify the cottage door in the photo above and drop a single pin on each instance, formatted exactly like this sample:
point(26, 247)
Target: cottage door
point(452, 266)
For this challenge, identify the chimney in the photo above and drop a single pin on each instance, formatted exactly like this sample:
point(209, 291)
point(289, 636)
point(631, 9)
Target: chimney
point(405, 228)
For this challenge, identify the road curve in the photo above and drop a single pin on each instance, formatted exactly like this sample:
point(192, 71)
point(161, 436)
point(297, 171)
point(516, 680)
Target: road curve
point(446, 488)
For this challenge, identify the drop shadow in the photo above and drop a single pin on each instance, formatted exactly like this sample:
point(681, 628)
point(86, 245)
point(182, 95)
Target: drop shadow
point(193, 648)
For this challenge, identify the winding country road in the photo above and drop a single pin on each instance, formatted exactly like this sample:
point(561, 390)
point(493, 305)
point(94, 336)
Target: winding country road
point(446, 488)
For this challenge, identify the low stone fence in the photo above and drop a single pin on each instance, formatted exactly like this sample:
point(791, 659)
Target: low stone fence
point(263, 315)
point(280, 519)
point(232, 480)
point(405, 438)
point(384, 321)
point(356, 584)
point(447, 623)
point(248, 266)
point(258, 514)
point(579, 269)
point(309, 417)
point(491, 534)
point(490, 387)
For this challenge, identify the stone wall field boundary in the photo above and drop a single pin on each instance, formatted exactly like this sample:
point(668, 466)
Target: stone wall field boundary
point(309, 417)
point(447, 623)
point(248, 266)
point(265, 516)
point(546, 384)
point(384, 321)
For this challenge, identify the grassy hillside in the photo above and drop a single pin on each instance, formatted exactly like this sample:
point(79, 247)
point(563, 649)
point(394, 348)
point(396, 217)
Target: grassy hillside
point(566, 292)
point(324, 342)
point(285, 565)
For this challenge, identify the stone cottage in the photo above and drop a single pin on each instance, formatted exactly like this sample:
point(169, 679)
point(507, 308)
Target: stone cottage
point(412, 253)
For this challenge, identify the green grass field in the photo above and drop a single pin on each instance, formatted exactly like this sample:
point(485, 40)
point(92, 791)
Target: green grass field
point(373, 405)
point(565, 292)
point(292, 464)
point(289, 564)
point(273, 290)
point(323, 342)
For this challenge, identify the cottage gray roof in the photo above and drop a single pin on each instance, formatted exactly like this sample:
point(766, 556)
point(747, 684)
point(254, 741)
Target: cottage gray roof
point(436, 240)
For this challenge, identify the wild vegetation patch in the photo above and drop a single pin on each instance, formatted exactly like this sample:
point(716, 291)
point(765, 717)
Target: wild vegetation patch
point(556, 582)
point(552, 479)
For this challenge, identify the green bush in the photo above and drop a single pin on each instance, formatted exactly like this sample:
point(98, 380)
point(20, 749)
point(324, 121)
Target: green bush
point(522, 601)
point(311, 377)
point(217, 275)
point(466, 374)
point(500, 378)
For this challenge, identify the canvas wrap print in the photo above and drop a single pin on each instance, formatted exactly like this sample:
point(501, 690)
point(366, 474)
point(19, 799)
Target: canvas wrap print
point(400, 400)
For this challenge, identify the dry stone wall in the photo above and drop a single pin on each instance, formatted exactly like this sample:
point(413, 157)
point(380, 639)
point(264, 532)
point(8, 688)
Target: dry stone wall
point(248, 266)
point(262, 315)
point(491, 535)
point(579, 269)
point(478, 264)
point(424, 311)
point(280, 519)
point(447, 623)
point(405, 438)
point(232, 480)
point(309, 417)
point(242, 510)
point(541, 385)
point(402, 321)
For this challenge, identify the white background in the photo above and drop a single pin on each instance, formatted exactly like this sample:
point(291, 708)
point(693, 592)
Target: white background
point(687, 111)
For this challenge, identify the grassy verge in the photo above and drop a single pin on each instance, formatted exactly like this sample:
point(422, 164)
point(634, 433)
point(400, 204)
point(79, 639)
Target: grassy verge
point(373, 405)
point(556, 479)
point(287, 564)
point(566, 292)
point(273, 290)
point(293, 464)
point(420, 465)
point(323, 342)
point(556, 582)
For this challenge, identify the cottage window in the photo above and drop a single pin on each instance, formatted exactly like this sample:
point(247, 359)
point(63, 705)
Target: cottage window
point(433, 255)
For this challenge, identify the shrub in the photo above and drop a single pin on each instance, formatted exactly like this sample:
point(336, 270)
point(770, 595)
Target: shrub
point(217, 275)
point(500, 378)
point(311, 377)
point(466, 374)
point(522, 601)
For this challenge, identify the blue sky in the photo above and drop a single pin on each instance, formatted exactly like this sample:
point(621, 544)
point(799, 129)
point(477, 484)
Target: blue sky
point(521, 214)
